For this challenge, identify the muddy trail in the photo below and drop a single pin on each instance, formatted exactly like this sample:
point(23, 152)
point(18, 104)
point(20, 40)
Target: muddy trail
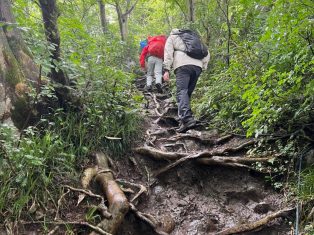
point(199, 182)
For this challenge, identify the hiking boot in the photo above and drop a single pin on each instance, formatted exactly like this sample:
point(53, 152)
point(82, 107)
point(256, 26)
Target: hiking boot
point(185, 126)
point(149, 88)
point(159, 88)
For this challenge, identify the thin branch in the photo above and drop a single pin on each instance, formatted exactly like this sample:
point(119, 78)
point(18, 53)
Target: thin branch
point(254, 225)
point(128, 11)
point(82, 223)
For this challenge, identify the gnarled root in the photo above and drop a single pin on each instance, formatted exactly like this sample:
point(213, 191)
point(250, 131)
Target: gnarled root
point(142, 188)
point(252, 226)
point(158, 154)
point(118, 203)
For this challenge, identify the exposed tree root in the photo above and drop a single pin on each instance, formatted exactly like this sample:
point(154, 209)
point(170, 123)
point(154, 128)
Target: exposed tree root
point(157, 104)
point(161, 155)
point(157, 154)
point(118, 203)
point(251, 226)
point(80, 223)
point(207, 159)
point(220, 160)
point(101, 207)
point(199, 138)
point(181, 160)
point(88, 175)
point(148, 219)
point(85, 191)
point(142, 188)
point(164, 132)
point(59, 203)
point(234, 149)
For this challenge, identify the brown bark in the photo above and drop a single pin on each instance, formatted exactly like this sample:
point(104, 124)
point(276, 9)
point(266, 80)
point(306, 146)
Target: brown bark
point(15, 41)
point(191, 10)
point(118, 203)
point(123, 17)
point(229, 34)
point(50, 16)
point(17, 70)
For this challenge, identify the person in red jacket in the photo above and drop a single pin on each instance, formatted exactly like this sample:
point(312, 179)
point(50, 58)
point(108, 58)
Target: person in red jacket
point(151, 60)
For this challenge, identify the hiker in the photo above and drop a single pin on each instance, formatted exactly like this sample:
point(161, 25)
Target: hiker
point(188, 56)
point(151, 61)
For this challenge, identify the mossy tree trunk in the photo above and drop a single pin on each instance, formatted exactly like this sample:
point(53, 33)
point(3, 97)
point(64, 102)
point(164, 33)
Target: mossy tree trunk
point(17, 69)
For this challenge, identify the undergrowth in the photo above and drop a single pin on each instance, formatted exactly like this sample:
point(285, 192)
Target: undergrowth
point(51, 153)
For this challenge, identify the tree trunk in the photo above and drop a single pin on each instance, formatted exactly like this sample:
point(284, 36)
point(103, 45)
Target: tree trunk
point(50, 16)
point(16, 43)
point(102, 14)
point(17, 70)
point(229, 33)
point(123, 17)
point(191, 10)
point(122, 26)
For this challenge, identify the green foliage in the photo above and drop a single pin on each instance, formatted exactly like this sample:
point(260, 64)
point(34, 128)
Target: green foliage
point(306, 191)
point(269, 80)
point(267, 87)
point(29, 168)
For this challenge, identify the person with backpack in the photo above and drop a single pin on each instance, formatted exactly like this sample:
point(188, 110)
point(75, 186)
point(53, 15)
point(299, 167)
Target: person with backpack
point(151, 61)
point(187, 56)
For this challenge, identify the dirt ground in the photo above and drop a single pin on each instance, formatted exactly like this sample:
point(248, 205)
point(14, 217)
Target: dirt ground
point(191, 198)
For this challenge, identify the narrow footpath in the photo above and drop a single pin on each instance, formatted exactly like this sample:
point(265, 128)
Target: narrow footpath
point(199, 182)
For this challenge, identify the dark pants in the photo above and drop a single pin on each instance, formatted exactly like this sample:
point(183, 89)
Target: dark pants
point(186, 79)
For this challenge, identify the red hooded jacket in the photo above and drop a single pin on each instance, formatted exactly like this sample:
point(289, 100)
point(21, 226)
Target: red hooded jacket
point(143, 56)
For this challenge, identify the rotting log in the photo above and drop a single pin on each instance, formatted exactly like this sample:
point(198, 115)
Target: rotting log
point(118, 203)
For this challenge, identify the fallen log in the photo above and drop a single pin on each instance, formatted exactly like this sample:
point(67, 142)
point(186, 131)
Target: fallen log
point(254, 225)
point(118, 203)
